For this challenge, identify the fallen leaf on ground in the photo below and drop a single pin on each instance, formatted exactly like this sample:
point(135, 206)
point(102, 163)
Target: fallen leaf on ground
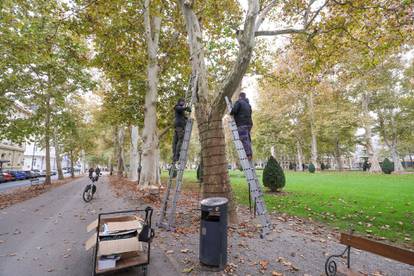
point(50, 270)
point(264, 264)
point(185, 250)
point(275, 273)
point(169, 251)
point(188, 270)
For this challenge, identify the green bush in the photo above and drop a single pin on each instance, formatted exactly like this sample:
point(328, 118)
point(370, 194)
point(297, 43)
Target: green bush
point(273, 175)
point(311, 168)
point(387, 166)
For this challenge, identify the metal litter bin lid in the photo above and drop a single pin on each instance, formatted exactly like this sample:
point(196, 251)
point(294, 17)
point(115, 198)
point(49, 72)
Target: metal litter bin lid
point(214, 201)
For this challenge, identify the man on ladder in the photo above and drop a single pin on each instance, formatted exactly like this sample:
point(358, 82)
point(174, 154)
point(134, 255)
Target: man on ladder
point(240, 125)
point(242, 113)
point(179, 126)
point(182, 135)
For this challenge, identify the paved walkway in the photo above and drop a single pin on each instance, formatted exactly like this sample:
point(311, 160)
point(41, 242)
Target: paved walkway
point(45, 235)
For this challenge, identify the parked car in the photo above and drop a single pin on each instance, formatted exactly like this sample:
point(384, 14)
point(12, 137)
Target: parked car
point(8, 177)
point(41, 173)
point(2, 178)
point(53, 172)
point(29, 174)
point(18, 175)
point(36, 173)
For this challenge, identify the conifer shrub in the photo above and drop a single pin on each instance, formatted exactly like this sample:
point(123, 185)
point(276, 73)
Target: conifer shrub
point(273, 175)
point(311, 168)
point(387, 166)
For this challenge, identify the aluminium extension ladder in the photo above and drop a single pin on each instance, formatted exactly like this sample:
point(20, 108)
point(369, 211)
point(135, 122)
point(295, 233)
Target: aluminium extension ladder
point(251, 177)
point(168, 209)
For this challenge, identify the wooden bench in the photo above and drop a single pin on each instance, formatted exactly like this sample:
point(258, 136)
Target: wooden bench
point(34, 181)
point(392, 252)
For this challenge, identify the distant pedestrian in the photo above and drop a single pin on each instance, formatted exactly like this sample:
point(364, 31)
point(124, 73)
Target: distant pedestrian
point(98, 173)
point(91, 171)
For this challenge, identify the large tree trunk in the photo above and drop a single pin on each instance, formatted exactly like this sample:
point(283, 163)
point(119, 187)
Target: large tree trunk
point(272, 151)
point(120, 149)
point(394, 146)
point(47, 140)
point(338, 155)
point(314, 145)
point(148, 176)
point(398, 167)
point(72, 167)
point(367, 122)
point(210, 107)
point(300, 154)
point(133, 163)
point(58, 159)
point(115, 150)
point(216, 182)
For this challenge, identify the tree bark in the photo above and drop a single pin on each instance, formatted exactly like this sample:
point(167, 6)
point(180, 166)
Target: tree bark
point(338, 155)
point(148, 176)
point(398, 167)
point(209, 113)
point(394, 147)
point(314, 145)
point(47, 139)
point(216, 182)
point(133, 163)
point(300, 154)
point(367, 122)
point(72, 171)
point(58, 159)
point(120, 149)
point(272, 151)
point(115, 150)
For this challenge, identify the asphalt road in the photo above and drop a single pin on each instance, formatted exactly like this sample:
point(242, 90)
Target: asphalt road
point(45, 235)
point(21, 183)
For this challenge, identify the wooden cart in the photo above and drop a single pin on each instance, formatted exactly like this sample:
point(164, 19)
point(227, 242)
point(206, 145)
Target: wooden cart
point(139, 258)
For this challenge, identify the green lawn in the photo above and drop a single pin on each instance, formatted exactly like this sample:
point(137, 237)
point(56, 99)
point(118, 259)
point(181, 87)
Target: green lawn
point(380, 205)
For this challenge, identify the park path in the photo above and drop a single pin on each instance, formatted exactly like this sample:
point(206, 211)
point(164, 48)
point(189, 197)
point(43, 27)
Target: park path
point(45, 235)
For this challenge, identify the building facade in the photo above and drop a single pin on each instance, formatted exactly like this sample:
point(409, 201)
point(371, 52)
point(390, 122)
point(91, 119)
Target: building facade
point(11, 155)
point(35, 157)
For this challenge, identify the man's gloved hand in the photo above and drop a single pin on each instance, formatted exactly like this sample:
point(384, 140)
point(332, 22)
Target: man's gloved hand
point(188, 109)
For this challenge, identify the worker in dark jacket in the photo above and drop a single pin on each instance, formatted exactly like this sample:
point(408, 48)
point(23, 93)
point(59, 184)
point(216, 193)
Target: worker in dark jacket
point(242, 113)
point(179, 125)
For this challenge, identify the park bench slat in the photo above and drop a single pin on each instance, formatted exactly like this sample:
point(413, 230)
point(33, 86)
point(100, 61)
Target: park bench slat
point(349, 272)
point(379, 248)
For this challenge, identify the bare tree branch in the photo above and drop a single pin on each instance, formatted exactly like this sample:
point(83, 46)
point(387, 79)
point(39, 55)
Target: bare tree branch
point(305, 27)
point(239, 68)
point(264, 13)
point(147, 22)
point(280, 32)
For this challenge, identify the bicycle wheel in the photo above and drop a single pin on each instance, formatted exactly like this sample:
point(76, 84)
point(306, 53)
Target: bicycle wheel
point(87, 194)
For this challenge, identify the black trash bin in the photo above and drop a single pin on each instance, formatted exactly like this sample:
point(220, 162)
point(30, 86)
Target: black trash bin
point(213, 232)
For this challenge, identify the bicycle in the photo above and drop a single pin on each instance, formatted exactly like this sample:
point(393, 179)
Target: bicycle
point(90, 189)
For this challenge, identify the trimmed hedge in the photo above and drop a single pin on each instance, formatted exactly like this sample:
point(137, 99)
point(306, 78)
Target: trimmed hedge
point(387, 166)
point(311, 168)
